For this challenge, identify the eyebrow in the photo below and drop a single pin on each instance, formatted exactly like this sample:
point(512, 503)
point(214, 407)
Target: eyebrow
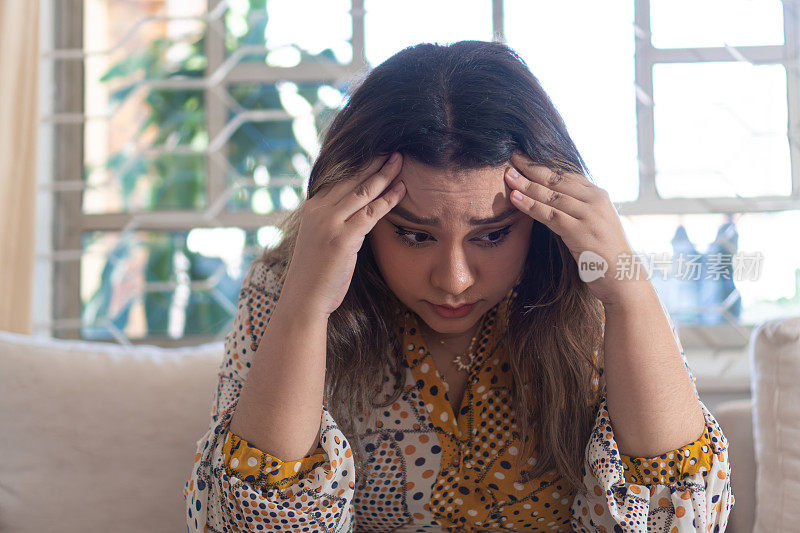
point(433, 221)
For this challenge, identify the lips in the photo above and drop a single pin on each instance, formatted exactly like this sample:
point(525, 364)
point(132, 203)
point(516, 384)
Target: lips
point(452, 312)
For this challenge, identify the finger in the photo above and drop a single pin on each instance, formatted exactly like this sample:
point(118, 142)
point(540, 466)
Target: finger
point(555, 219)
point(366, 191)
point(570, 183)
point(342, 188)
point(551, 197)
point(365, 218)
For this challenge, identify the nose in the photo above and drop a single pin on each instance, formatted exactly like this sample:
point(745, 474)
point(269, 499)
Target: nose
point(451, 272)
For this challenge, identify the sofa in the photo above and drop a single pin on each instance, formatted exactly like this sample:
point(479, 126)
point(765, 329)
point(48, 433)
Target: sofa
point(97, 436)
point(101, 437)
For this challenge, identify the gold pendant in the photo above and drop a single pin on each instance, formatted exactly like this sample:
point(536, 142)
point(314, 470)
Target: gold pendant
point(461, 364)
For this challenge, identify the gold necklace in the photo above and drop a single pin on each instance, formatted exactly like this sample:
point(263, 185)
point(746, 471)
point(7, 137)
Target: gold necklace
point(463, 361)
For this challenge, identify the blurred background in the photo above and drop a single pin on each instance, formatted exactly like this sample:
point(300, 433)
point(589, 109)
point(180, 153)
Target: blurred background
point(167, 138)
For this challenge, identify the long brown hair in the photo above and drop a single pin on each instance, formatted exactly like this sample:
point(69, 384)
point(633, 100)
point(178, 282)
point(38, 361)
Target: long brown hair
point(463, 106)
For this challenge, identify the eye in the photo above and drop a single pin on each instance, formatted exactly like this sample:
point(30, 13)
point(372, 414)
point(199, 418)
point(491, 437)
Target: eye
point(496, 237)
point(405, 234)
point(418, 238)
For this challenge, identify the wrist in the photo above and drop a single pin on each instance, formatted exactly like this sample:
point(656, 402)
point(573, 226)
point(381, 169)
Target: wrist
point(633, 294)
point(296, 300)
point(299, 309)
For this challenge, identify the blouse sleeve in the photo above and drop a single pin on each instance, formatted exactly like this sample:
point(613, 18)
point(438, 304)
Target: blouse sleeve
point(234, 486)
point(686, 489)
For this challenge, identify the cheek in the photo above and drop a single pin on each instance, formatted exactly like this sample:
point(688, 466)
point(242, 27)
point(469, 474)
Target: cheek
point(522, 245)
point(511, 256)
point(395, 260)
point(509, 263)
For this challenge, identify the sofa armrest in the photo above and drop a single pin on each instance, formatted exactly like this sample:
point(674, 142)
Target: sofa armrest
point(736, 419)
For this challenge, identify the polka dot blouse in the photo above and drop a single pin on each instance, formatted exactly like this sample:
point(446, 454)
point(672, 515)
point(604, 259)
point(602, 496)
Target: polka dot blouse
point(434, 469)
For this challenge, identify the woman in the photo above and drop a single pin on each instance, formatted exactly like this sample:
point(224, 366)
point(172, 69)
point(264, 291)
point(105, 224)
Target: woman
point(422, 353)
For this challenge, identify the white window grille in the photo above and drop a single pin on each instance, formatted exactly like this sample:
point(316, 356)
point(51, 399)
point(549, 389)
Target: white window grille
point(108, 222)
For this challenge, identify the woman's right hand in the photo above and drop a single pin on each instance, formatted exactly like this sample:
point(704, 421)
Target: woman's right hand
point(333, 225)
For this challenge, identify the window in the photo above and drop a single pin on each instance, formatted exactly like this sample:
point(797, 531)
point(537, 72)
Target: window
point(684, 122)
point(176, 134)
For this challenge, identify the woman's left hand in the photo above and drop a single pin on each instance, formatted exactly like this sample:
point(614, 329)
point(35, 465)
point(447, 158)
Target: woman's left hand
point(582, 214)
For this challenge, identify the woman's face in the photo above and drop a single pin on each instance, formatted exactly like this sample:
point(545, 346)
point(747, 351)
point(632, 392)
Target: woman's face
point(432, 248)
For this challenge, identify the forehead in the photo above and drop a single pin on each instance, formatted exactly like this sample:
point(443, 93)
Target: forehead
point(424, 177)
point(460, 194)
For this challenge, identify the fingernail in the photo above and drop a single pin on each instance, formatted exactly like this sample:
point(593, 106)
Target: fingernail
point(512, 173)
point(394, 157)
point(398, 186)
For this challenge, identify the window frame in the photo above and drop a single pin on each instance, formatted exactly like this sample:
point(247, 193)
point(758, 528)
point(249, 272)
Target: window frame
point(646, 57)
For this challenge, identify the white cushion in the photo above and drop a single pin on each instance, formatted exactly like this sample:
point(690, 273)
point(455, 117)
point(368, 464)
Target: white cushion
point(736, 419)
point(99, 437)
point(775, 363)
